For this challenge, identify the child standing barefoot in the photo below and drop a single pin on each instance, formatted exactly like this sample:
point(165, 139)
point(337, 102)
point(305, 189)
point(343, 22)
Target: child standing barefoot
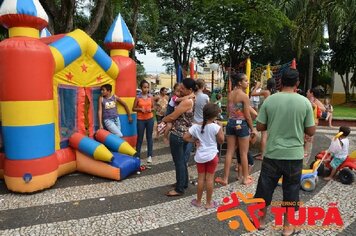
point(207, 135)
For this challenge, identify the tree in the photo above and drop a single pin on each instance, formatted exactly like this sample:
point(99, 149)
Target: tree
point(341, 25)
point(307, 33)
point(141, 17)
point(61, 14)
point(179, 24)
point(237, 29)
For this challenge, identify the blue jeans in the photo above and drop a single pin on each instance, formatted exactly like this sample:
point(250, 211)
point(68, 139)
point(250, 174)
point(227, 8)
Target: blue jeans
point(141, 126)
point(114, 126)
point(179, 151)
point(187, 152)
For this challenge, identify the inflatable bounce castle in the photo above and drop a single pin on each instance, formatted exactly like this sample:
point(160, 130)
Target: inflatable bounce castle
point(50, 86)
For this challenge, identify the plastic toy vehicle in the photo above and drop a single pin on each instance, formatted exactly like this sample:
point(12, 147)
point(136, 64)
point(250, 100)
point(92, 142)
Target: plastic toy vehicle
point(309, 177)
point(346, 171)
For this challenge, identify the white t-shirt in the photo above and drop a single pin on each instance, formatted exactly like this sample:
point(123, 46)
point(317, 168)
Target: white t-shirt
point(256, 98)
point(208, 145)
point(172, 101)
point(342, 154)
point(201, 99)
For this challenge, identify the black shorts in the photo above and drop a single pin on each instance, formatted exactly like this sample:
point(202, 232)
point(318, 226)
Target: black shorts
point(159, 119)
point(271, 171)
point(170, 110)
point(250, 159)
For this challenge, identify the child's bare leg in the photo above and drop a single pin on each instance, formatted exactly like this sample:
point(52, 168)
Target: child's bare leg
point(239, 171)
point(155, 130)
point(330, 119)
point(200, 187)
point(166, 133)
point(209, 190)
point(333, 172)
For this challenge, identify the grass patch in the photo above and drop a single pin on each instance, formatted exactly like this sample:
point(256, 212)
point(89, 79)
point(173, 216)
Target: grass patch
point(345, 110)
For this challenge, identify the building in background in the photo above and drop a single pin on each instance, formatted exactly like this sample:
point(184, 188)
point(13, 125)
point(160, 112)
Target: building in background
point(160, 80)
point(338, 96)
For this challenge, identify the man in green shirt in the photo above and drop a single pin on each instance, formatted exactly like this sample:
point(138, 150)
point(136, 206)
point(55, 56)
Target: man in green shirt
point(286, 116)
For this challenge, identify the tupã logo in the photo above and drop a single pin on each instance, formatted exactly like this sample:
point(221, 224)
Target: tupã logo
point(229, 210)
point(309, 217)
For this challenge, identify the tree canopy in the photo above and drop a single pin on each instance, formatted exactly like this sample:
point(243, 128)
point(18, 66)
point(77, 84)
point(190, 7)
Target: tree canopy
point(226, 31)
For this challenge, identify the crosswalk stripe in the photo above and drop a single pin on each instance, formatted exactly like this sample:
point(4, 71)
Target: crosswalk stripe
point(148, 218)
point(136, 220)
point(77, 193)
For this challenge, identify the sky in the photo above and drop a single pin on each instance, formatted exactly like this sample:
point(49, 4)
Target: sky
point(152, 63)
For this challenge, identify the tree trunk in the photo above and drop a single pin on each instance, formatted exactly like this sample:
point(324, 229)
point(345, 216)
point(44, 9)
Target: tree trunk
point(96, 16)
point(136, 7)
point(345, 83)
point(311, 67)
point(69, 16)
point(347, 88)
point(332, 82)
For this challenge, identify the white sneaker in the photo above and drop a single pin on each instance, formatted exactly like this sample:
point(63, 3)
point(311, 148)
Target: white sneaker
point(149, 159)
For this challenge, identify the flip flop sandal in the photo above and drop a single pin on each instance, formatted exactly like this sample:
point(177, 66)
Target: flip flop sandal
point(173, 193)
point(219, 180)
point(294, 232)
point(249, 182)
point(262, 227)
point(195, 203)
point(215, 204)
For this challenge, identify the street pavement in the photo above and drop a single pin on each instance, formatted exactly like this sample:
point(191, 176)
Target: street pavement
point(80, 204)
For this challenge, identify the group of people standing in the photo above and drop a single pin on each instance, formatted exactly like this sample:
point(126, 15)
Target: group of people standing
point(286, 116)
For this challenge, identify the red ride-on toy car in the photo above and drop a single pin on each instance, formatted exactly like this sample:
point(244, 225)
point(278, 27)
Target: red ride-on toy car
point(346, 170)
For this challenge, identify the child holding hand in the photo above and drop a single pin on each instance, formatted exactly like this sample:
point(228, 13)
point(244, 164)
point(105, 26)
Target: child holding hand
point(207, 135)
point(340, 155)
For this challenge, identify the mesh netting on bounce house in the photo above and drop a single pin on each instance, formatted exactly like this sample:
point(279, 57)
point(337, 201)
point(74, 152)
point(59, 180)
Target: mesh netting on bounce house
point(260, 72)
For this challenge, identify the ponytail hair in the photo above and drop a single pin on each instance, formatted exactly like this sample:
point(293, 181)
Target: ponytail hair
point(210, 111)
point(189, 84)
point(236, 78)
point(271, 85)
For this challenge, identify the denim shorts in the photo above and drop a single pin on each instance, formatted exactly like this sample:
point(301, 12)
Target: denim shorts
point(271, 171)
point(238, 128)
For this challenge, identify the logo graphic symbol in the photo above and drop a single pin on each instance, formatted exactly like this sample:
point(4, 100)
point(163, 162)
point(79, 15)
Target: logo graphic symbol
point(228, 210)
